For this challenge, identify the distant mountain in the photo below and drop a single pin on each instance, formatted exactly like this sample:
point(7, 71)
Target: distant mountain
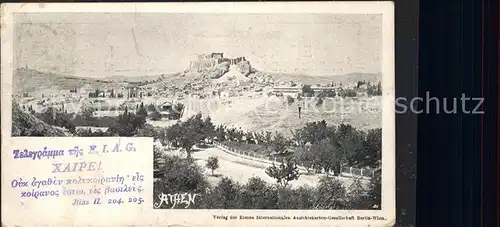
point(120, 78)
point(29, 80)
point(312, 80)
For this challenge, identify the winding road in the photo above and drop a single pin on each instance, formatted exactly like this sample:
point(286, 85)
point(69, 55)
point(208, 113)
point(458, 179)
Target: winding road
point(241, 169)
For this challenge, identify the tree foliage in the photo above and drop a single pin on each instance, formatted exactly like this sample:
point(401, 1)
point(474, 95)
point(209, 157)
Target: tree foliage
point(327, 93)
point(330, 194)
point(180, 175)
point(213, 163)
point(186, 134)
point(374, 90)
point(284, 173)
point(307, 91)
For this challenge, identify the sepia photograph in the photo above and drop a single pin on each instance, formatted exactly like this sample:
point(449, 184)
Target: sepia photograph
point(247, 111)
point(270, 111)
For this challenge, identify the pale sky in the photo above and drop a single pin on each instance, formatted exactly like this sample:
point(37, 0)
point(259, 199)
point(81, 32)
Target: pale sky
point(98, 44)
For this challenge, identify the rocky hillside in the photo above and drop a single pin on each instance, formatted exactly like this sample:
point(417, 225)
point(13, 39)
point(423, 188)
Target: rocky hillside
point(210, 69)
point(25, 124)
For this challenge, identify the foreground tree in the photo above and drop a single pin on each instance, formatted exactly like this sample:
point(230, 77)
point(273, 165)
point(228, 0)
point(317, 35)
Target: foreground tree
point(305, 157)
point(313, 132)
point(190, 132)
point(373, 147)
point(179, 175)
point(213, 164)
point(357, 197)
point(330, 194)
point(257, 194)
point(295, 198)
point(280, 144)
point(225, 195)
point(326, 156)
point(208, 129)
point(284, 173)
point(220, 133)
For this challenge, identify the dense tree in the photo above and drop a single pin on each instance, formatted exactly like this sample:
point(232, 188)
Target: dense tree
point(149, 131)
point(179, 175)
point(326, 156)
point(225, 195)
point(280, 144)
point(299, 198)
point(313, 132)
point(330, 194)
point(373, 147)
point(257, 194)
point(208, 129)
point(305, 157)
point(268, 138)
point(187, 139)
point(375, 190)
point(327, 93)
point(347, 93)
point(158, 161)
point(142, 112)
point(220, 133)
point(55, 117)
point(350, 143)
point(357, 197)
point(126, 124)
point(190, 132)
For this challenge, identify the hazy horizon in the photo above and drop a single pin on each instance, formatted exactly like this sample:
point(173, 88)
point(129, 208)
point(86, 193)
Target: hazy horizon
point(126, 44)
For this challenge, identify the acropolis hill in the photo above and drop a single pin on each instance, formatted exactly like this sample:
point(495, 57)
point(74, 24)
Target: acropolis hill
point(214, 65)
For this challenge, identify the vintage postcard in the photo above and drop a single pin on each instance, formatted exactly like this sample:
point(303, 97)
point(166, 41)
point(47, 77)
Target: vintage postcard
point(198, 114)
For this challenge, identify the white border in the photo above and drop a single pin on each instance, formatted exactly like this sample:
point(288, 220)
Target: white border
point(204, 217)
